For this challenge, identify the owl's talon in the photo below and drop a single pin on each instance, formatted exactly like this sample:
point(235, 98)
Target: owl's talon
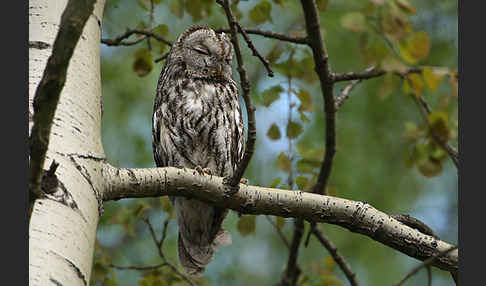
point(199, 170)
point(244, 181)
point(207, 171)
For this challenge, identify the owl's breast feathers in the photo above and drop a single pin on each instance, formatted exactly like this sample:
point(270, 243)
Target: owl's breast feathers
point(198, 122)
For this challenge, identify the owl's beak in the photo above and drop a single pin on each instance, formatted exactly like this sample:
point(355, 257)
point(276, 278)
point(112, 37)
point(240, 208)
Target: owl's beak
point(218, 71)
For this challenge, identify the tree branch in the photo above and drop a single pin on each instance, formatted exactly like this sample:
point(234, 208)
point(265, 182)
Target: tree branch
point(292, 272)
point(427, 262)
point(245, 86)
point(371, 73)
point(118, 41)
point(323, 70)
point(49, 89)
point(336, 256)
point(355, 216)
point(271, 35)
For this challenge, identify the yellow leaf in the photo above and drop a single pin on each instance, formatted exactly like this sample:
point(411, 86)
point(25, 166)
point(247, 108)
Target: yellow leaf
point(416, 47)
point(431, 78)
point(416, 84)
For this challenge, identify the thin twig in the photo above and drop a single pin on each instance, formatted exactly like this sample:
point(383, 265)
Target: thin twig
point(163, 57)
point(272, 35)
point(138, 268)
point(345, 92)
point(245, 85)
point(254, 50)
point(118, 41)
point(424, 264)
point(161, 253)
point(279, 232)
point(368, 74)
point(337, 257)
point(49, 89)
point(425, 110)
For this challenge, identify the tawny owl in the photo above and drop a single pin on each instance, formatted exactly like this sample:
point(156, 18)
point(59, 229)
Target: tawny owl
point(197, 123)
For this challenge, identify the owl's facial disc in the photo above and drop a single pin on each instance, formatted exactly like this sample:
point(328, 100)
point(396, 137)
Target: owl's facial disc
point(208, 55)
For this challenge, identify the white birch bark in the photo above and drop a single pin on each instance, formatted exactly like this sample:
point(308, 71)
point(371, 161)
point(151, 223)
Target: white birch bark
point(63, 227)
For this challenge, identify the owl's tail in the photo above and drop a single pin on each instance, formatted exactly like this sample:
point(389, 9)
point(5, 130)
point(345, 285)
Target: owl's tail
point(200, 233)
point(194, 258)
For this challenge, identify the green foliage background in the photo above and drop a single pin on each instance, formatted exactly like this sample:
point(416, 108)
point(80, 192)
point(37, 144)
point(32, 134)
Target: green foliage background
point(372, 163)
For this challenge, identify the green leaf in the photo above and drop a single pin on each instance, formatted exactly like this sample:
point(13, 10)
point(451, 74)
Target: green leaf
point(271, 94)
point(432, 78)
point(305, 100)
point(416, 47)
point(260, 13)
point(354, 21)
point(301, 182)
point(161, 30)
point(275, 182)
point(307, 165)
point(283, 162)
point(274, 132)
point(143, 63)
point(439, 125)
point(430, 168)
point(294, 129)
point(246, 225)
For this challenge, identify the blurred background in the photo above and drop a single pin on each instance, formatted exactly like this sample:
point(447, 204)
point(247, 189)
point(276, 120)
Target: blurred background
point(384, 156)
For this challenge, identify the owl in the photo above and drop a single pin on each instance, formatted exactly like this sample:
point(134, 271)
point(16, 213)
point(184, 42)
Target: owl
point(196, 124)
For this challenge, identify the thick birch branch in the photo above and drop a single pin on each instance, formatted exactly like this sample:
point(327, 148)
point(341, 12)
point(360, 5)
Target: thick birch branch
point(355, 216)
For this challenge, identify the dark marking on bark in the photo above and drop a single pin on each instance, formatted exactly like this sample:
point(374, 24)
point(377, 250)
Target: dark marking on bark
point(87, 177)
point(55, 282)
point(38, 45)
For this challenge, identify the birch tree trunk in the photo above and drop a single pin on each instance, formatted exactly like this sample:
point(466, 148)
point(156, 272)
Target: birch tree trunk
point(63, 225)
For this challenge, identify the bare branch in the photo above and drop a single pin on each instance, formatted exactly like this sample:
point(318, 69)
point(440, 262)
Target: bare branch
point(245, 86)
point(312, 24)
point(345, 93)
point(118, 41)
point(254, 50)
point(355, 216)
point(337, 257)
point(49, 89)
point(271, 35)
point(427, 262)
point(292, 272)
point(371, 73)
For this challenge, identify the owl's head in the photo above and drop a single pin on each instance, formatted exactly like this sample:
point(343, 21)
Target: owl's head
point(204, 53)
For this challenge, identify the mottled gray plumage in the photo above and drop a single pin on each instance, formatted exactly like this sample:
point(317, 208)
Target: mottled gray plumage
point(197, 122)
